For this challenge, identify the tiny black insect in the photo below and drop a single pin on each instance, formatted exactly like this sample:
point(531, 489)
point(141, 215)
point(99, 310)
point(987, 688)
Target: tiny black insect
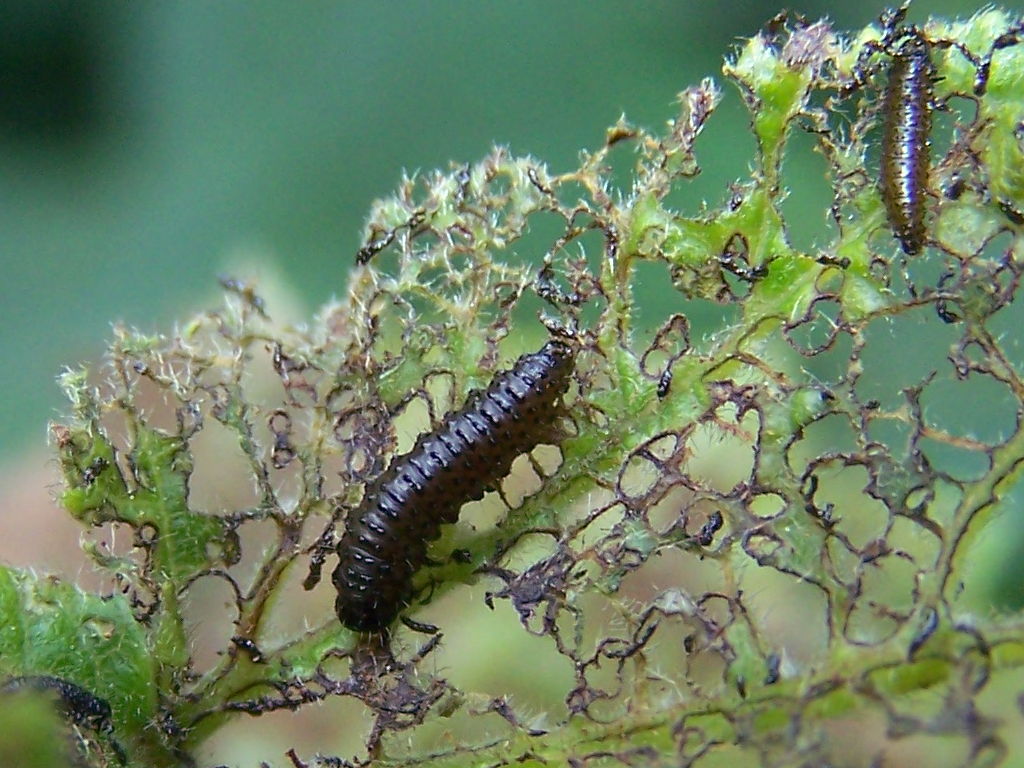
point(955, 188)
point(90, 473)
point(385, 540)
point(250, 647)
point(1016, 217)
point(711, 526)
point(664, 383)
point(76, 704)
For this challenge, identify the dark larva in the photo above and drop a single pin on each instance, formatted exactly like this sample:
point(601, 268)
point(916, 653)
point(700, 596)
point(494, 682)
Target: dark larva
point(907, 118)
point(385, 540)
point(77, 704)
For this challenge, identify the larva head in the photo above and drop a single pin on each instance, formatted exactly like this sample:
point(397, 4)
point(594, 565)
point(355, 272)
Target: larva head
point(364, 615)
point(913, 43)
point(559, 357)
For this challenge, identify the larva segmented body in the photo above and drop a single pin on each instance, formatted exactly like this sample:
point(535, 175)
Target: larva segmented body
point(385, 540)
point(907, 120)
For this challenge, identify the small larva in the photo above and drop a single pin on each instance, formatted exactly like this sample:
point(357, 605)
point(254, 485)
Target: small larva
point(385, 540)
point(77, 704)
point(907, 106)
point(907, 119)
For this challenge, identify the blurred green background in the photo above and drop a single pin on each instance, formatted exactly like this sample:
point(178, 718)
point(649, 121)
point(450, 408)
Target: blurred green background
point(146, 148)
